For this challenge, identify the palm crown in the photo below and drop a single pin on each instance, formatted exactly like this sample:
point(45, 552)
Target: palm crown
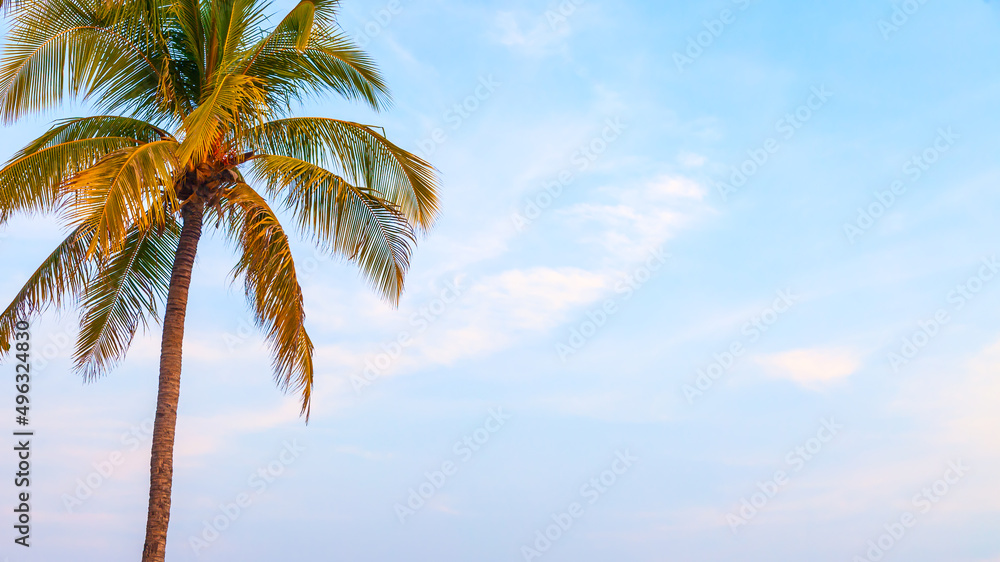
point(193, 122)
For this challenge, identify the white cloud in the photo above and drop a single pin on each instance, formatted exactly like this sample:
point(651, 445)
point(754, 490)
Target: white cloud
point(667, 187)
point(493, 313)
point(811, 368)
point(499, 310)
point(534, 298)
point(633, 222)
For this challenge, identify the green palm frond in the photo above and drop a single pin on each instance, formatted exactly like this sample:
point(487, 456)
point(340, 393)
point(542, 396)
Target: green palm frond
point(229, 32)
point(294, 29)
point(124, 291)
point(188, 43)
point(305, 55)
point(145, 27)
point(350, 221)
point(79, 128)
point(34, 182)
point(51, 53)
point(33, 178)
point(272, 287)
point(363, 156)
point(60, 278)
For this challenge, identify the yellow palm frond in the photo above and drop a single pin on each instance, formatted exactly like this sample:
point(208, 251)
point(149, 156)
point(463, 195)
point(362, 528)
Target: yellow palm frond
point(133, 186)
point(232, 103)
point(34, 182)
point(272, 288)
point(306, 55)
point(35, 177)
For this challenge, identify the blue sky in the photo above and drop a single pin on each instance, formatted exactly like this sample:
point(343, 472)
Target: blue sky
point(588, 169)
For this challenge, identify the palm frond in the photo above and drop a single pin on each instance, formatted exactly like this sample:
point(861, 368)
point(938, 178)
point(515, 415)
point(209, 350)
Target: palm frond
point(51, 53)
point(326, 61)
point(131, 187)
point(233, 26)
point(95, 126)
point(12, 6)
point(350, 221)
point(266, 266)
point(60, 278)
point(124, 292)
point(294, 29)
point(361, 155)
point(234, 101)
point(35, 178)
point(188, 41)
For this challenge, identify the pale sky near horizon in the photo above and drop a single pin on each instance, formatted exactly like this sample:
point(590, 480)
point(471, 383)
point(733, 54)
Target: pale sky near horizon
point(751, 283)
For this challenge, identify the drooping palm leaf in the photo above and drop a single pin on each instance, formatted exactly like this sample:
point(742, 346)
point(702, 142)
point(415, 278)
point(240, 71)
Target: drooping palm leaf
point(272, 288)
point(96, 126)
point(57, 281)
point(35, 182)
point(350, 221)
point(124, 292)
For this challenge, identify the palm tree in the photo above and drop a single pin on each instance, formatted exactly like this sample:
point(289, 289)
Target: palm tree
point(193, 125)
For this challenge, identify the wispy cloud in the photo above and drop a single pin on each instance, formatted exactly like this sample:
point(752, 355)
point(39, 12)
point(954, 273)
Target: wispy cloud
point(628, 223)
point(530, 33)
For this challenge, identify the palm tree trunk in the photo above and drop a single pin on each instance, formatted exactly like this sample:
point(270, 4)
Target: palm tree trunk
point(161, 465)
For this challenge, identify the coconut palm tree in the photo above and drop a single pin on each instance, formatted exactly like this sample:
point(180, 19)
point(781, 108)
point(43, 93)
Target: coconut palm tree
point(193, 125)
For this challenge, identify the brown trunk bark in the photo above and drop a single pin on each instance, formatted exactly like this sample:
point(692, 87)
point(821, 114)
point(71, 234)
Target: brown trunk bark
point(161, 464)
